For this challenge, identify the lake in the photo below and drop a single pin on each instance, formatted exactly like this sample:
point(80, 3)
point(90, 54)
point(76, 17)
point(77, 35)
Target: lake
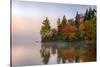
point(39, 53)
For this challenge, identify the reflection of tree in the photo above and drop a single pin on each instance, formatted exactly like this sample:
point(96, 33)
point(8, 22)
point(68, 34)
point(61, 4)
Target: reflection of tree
point(88, 52)
point(68, 52)
point(45, 51)
point(64, 52)
point(53, 49)
point(45, 54)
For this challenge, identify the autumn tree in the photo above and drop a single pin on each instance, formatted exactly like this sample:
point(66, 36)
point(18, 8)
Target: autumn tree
point(82, 27)
point(88, 30)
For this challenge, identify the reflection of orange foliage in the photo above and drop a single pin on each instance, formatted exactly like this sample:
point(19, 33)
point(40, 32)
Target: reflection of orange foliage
point(53, 30)
point(89, 55)
point(72, 54)
point(68, 54)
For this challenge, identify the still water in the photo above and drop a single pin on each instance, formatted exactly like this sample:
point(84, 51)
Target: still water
point(38, 53)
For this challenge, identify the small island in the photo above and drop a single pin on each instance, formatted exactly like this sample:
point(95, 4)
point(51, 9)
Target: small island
point(82, 27)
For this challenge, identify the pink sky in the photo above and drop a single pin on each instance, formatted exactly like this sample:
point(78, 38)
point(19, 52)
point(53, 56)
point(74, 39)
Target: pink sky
point(28, 24)
point(25, 24)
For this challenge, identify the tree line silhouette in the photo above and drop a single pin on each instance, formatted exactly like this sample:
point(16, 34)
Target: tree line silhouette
point(82, 27)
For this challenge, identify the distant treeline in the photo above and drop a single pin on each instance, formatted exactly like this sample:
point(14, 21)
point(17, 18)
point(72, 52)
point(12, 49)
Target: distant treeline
point(82, 27)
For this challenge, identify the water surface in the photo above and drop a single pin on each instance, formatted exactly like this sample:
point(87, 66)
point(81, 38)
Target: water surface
point(38, 53)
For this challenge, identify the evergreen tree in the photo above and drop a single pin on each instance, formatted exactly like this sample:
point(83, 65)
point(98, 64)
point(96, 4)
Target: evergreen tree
point(90, 13)
point(77, 19)
point(94, 13)
point(46, 25)
point(86, 15)
point(58, 21)
point(64, 20)
point(45, 29)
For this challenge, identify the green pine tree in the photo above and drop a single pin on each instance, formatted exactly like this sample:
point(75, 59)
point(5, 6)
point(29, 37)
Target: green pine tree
point(64, 20)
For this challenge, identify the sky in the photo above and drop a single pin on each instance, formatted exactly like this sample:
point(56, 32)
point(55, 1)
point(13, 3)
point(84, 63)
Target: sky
point(54, 10)
point(27, 16)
